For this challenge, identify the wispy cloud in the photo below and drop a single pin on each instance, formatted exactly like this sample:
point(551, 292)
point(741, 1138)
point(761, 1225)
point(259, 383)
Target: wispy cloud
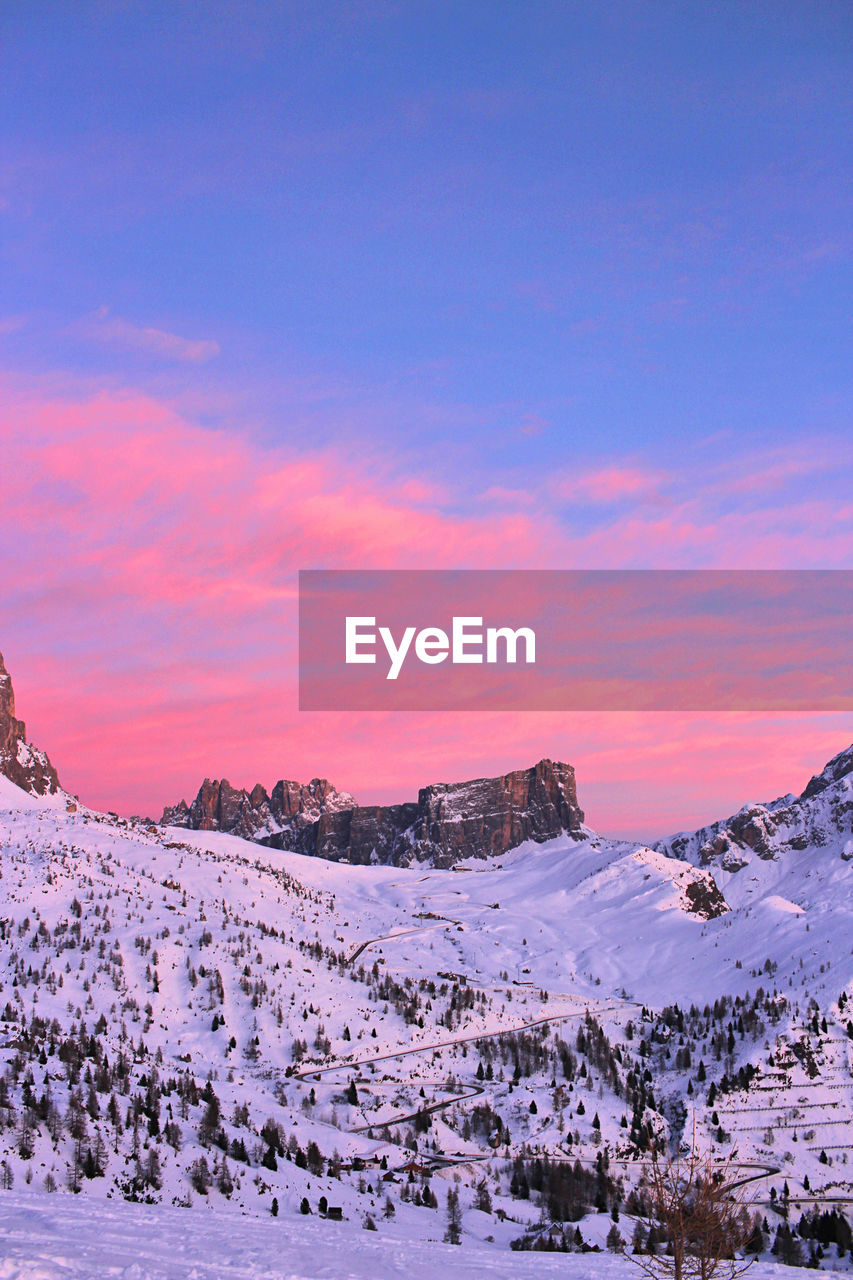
point(12, 324)
point(781, 466)
point(611, 484)
point(113, 331)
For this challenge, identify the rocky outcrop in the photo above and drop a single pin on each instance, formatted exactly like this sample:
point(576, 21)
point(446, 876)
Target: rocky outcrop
point(705, 899)
point(449, 821)
point(21, 762)
point(491, 815)
point(840, 766)
point(254, 815)
point(821, 817)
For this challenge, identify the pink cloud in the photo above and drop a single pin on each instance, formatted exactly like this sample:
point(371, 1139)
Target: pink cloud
point(12, 324)
point(782, 466)
point(502, 495)
point(533, 425)
point(112, 331)
point(613, 484)
point(638, 775)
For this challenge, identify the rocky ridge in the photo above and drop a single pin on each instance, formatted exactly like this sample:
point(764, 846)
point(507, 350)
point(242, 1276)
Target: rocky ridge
point(290, 808)
point(22, 763)
point(448, 822)
point(820, 817)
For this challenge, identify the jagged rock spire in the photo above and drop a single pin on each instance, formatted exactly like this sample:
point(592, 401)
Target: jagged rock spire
point(25, 765)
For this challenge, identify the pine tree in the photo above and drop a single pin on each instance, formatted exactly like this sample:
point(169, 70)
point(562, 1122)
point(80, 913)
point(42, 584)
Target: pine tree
point(614, 1239)
point(153, 1175)
point(453, 1234)
point(483, 1200)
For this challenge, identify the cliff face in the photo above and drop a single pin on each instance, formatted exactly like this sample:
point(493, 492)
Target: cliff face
point(449, 821)
point(255, 815)
point(491, 815)
point(21, 762)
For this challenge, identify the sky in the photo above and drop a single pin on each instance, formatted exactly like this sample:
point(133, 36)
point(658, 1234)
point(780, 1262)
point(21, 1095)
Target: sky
point(408, 285)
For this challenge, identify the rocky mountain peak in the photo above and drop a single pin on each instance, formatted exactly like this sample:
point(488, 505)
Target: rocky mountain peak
point(448, 822)
point(821, 817)
point(257, 814)
point(21, 762)
point(837, 768)
point(491, 815)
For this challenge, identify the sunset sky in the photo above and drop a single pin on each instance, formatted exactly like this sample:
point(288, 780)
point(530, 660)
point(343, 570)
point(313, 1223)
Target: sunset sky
point(409, 285)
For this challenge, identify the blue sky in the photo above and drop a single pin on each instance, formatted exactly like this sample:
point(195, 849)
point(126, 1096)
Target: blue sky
point(556, 230)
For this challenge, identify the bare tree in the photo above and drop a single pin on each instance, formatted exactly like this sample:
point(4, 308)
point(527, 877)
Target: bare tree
point(699, 1207)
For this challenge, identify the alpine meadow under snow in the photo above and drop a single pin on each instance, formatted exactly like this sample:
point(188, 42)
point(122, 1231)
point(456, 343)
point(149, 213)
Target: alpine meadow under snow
point(224, 1058)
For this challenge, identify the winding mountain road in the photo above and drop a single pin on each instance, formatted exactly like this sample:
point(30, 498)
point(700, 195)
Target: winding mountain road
point(315, 1072)
point(473, 1092)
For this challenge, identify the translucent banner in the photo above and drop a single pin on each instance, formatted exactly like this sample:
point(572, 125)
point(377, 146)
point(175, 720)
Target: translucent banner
point(580, 640)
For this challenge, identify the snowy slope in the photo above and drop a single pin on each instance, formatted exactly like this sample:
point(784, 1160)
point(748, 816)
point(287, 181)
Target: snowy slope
point(46, 1240)
point(13, 798)
point(195, 1020)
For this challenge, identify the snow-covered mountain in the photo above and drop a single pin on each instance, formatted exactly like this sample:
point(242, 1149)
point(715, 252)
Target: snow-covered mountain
point(821, 817)
point(190, 1018)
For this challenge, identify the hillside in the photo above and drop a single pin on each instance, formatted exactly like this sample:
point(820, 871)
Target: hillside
point(193, 1019)
point(480, 1051)
point(819, 819)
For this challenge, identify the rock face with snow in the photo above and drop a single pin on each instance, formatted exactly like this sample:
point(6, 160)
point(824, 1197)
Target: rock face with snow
point(821, 817)
point(492, 815)
point(449, 821)
point(21, 762)
point(288, 809)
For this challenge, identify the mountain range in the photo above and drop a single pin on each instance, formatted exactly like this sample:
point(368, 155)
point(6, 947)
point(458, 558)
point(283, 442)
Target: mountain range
point(448, 821)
